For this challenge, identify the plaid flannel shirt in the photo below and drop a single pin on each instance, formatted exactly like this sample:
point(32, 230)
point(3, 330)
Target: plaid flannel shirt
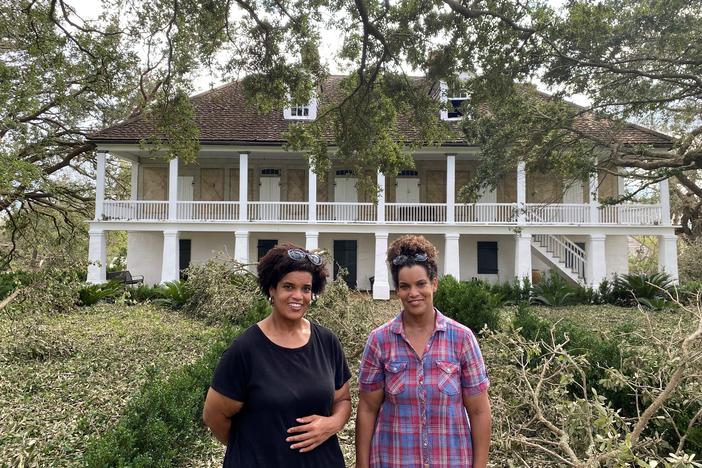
point(422, 422)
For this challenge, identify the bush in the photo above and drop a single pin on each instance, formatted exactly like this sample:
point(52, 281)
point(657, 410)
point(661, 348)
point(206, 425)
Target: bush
point(10, 280)
point(470, 303)
point(143, 293)
point(553, 292)
point(51, 291)
point(174, 294)
point(512, 293)
point(634, 288)
point(690, 260)
point(94, 293)
point(222, 290)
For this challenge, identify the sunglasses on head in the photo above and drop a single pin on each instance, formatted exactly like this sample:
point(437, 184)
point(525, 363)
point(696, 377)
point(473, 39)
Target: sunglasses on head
point(405, 259)
point(299, 254)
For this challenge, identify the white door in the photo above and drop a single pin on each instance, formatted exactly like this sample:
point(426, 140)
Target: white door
point(573, 194)
point(407, 190)
point(345, 192)
point(185, 194)
point(485, 210)
point(269, 192)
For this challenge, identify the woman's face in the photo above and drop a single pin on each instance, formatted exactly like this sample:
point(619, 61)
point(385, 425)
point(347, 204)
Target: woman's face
point(416, 290)
point(292, 296)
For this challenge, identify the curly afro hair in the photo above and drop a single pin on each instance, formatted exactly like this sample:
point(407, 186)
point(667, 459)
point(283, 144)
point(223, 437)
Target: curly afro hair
point(411, 245)
point(277, 263)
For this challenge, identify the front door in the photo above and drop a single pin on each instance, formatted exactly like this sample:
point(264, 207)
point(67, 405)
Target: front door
point(345, 256)
point(269, 192)
point(184, 255)
point(345, 192)
point(264, 245)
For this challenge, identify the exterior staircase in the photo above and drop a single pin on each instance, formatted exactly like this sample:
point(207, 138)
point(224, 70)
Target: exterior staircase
point(563, 254)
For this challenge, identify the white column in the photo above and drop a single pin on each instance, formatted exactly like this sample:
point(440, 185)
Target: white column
point(451, 255)
point(668, 255)
point(97, 256)
point(170, 266)
point(241, 247)
point(243, 188)
point(381, 285)
point(135, 180)
point(173, 189)
point(450, 188)
point(312, 196)
point(100, 185)
point(665, 202)
point(522, 256)
point(311, 241)
point(594, 185)
point(381, 197)
point(521, 195)
point(596, 266)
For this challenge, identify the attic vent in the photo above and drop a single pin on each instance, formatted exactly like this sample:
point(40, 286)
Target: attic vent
point(345, 173)
point(408, 173)
point(270, 172)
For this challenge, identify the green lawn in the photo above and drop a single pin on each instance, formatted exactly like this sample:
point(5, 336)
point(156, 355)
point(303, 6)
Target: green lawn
point(65, 378)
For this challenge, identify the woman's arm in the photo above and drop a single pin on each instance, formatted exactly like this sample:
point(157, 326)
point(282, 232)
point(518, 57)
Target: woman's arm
point(478, 407)
point(316, 429)
point(218, 413)
point(368, 407)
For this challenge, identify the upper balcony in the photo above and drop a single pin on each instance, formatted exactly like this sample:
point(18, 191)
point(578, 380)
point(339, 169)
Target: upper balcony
point(389, 213)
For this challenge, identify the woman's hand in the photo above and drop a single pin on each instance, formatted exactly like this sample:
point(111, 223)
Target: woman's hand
point(312, 433)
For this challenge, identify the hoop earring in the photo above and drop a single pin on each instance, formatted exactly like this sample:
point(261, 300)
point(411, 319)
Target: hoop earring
point(270, 300)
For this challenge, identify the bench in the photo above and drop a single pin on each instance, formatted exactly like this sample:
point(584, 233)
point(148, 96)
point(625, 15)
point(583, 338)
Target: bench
point(124, 277)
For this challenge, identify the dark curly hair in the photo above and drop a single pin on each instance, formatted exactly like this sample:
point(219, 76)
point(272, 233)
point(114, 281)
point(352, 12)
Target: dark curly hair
point(277, 263)
point(411, 245)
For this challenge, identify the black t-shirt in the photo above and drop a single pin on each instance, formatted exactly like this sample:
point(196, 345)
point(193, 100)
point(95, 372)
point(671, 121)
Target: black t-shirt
point(279, 385)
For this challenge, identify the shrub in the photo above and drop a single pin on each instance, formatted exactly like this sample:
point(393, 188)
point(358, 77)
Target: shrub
point(143, 293)
point(512, 293)
point(94, 293)
point(553, 292)
point(10, 280)
point(634, 287)
point(470, 303)
point(50, 291)
point(222, 290)
point(174, 294)
point(690, 260)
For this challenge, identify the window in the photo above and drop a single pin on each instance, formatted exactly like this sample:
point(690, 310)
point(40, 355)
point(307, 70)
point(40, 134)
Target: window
point(264, 245)
point(301, 111)
point(487, 258)
point(454, 101)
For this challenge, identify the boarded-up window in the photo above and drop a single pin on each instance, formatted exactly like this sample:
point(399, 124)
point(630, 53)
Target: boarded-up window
point(296, 184)
point(211, 185)
point(155, 181)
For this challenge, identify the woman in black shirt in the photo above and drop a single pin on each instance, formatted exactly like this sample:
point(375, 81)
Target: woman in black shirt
point(280, 393)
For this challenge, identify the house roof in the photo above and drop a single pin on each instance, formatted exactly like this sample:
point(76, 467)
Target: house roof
point(225, 117)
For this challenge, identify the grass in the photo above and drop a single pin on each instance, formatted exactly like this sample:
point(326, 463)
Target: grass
point(66, 378)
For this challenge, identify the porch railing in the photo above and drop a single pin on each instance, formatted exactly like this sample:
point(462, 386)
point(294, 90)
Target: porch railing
point(415, 212)
point(207, 210)
point(631, 214)
point(141, 210)
point(486, 213)
point(395, 213)
point(346, 211)
point(277, 211)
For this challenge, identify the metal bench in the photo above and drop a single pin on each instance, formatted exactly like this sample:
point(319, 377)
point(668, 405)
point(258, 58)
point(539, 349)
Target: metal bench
point(124, 277)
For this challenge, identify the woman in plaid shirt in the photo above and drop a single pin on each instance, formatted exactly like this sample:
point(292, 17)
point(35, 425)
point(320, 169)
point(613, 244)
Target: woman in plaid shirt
point(424, 400)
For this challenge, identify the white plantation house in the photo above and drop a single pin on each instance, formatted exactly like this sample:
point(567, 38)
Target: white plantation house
point(245, 193)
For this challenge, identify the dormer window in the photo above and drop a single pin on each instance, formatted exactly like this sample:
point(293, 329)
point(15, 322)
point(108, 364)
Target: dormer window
point(306, 111)
point(454, 99)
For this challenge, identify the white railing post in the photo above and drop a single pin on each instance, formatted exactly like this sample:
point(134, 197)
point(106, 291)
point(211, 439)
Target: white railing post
point(521, 193)
point(593, 186)
point(172, 190)
point(452, 265)
point(311, 195)
point(665, 201)
point(450, 188)
point(381, 198)
point(135, 180)
point(243, 186)
point(381, 286)
point(100, 185)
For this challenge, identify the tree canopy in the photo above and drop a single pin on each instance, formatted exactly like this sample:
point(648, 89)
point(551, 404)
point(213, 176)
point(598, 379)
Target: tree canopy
point(62, 77)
